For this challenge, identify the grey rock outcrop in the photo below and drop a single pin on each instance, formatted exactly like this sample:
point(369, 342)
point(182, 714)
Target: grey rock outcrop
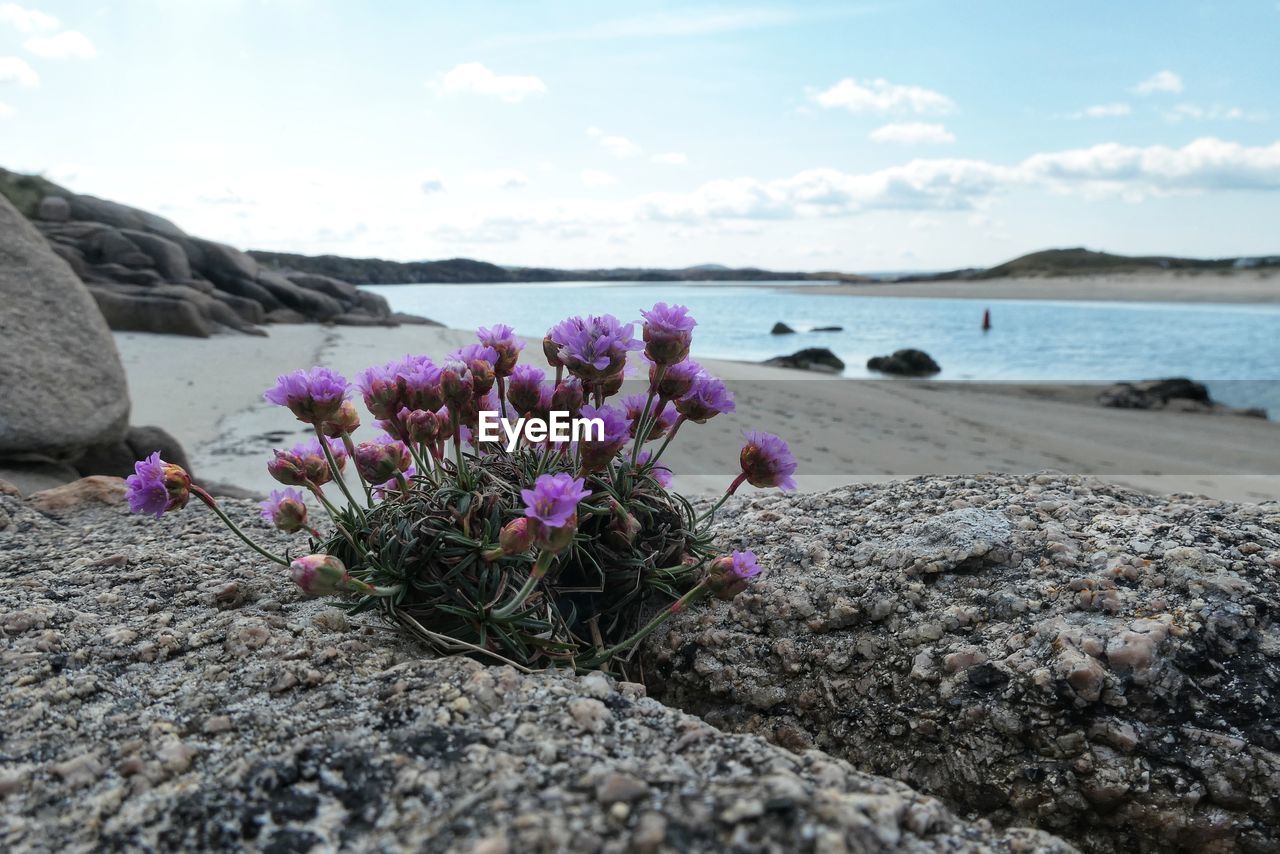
point(1178, 393)
point(1042, 650)
point(905, 363)
point(134, 260)
point(62, 387)
point(810, 359)
point(166, 691)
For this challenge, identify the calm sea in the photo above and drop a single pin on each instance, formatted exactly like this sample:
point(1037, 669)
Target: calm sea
point(1235, 349)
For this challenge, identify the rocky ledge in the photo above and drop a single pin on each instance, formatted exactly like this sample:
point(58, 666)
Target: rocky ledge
point(148, 275)
point(162, 690)
point(1046, 650)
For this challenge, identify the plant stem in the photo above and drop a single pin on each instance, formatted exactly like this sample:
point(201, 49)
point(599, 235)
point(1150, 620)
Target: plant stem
point(540, 568)
point(351, 454)
point(337, 472)
point(733, 487)
point(676, 607)
point(235, 529)
point(644, 427)
point(667, 441)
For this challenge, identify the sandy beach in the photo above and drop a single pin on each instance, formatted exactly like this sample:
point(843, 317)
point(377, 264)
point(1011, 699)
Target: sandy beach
point(1211, 287)
point(208, 394)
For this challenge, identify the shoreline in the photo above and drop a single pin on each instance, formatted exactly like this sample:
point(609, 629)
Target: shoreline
point(1235, 288)
point(842, 431)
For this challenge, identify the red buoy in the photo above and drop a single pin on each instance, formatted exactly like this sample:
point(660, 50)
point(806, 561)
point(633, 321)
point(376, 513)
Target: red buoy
point(986, 320)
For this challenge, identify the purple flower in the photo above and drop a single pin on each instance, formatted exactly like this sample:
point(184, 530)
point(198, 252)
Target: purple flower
point(525, 388)
point(598, 451)
point(568, 396)
point(668, 331)
point(553, 501)
point(419, 382)
point(707, 398)
point(319, 575)
point(380, 387)
point(729, 574)
point(502, 340)
point(660, 473)
point(676, 380)
point(313, 396)
point(593, 347)
point(767, 461)
point(633, 405)
point(156, 486)
point(306, 463)
point(286, 509)
point(467, 373)
point(346, 421)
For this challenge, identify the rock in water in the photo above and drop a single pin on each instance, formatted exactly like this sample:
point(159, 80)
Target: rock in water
point(165, 690)
point(810, 359)
point(1040, 650)
point(827, 329)
point(62, 387)
point(781, 328)
point(905, 363)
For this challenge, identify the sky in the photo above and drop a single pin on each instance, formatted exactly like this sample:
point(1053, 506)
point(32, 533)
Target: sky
point(853, 136)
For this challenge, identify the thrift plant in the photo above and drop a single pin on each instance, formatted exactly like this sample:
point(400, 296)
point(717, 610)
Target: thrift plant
point(532, 549)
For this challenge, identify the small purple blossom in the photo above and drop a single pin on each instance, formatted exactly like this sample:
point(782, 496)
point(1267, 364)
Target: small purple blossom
point(524, 389)
point(658, 472)
point(767, 461)
point(286, 509)
point(743, 566)
point(380, 387)
point(156, 486)
point(593, 347)
point(419, 382)
point(633, 405)
point(729, 574)
point(382, 458)
point(676, 380)
point(502, 340)
point(668, 331)
point(306, 462)
point(706, 399)
point(313, 396)
point(597, 452)
point(553, 501)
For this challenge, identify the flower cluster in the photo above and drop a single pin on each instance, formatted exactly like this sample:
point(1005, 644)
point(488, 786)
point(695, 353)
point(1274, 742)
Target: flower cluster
point(539, 552)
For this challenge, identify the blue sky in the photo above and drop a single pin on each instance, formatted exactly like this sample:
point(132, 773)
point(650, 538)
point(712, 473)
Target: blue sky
point(854, 136)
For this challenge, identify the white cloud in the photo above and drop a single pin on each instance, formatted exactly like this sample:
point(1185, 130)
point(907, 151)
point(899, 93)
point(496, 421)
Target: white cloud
point(620, 146)
point(1132, 172)
point(474, 78)
point(671, 158)
point(6, 111)
point(596, 178)
point(498, 179)
point(27, 20)
point(68, 44)
point(881, 96)
point(15, 70)
point(1161, 81)
point(912, 133)
point(1102, 111)
point(1217, 112)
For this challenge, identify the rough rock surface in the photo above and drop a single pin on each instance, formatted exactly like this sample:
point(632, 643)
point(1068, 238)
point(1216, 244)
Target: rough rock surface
point(1178, 393)
point(905, 363)
point(148, 275)
point(810, 359)
point(62, 387)
point(1045, 650)
point(162, 690)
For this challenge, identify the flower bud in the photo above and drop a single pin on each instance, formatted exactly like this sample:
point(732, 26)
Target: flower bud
point(286, 510)
point(444, 425)
point(379, 462)
point(347, 420)
point(609, 385)
point(421, 426)
point(516, 536)
point(729, 575)
point(456, 385)
point(567, 397)
point(319, 575)
point(624, 527)
point(551, 350)
point(287, 468)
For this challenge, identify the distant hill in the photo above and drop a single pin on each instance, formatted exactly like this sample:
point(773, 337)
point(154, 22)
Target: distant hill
point(376, 271)
point(1086, 262)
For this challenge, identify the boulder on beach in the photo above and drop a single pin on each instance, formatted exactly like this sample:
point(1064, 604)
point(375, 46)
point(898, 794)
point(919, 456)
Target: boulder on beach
point(117, 458)
point(1042, 649)
point(781, 328)
point(118, 249)
point(1177, 393)
point(905, 363)
point(810, 359)
point(62, 387)
point(166, 690)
